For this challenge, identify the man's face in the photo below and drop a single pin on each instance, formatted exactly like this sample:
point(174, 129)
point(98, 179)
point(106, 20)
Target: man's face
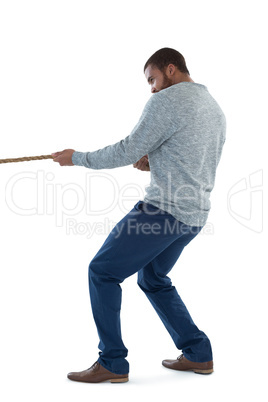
point(157, 79)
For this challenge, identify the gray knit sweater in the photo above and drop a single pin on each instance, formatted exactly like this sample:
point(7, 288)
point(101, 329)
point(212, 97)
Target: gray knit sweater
point(182, 129)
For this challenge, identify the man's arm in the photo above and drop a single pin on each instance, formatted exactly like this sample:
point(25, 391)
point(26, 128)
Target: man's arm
point(155, 126)
point(64, 158)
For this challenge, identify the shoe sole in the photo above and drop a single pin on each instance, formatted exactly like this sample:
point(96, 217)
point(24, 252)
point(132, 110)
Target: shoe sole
point(113, 380)
point(116, 380)
point(197, 371)
point(202, 371)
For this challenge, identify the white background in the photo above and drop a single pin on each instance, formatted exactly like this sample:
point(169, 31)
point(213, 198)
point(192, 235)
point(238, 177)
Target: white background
point(71, 76)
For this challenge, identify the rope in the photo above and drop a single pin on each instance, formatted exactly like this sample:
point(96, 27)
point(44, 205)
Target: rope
point(26, 158)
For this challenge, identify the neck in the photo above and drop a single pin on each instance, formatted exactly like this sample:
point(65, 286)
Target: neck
point(181, 77)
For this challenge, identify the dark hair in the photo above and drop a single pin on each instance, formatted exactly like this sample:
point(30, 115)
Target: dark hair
point(163, 57)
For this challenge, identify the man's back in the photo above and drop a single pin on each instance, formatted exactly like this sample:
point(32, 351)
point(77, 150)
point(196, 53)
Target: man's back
point(183, 167)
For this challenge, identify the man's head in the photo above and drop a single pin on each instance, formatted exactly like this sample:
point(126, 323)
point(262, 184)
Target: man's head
point(164, 68)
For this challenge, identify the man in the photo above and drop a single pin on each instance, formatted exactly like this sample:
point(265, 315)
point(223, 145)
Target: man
point(179, 138)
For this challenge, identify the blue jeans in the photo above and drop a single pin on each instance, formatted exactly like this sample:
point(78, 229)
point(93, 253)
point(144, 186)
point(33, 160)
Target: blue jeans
point(149, 241)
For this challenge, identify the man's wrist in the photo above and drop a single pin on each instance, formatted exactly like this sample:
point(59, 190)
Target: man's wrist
point(78, 158)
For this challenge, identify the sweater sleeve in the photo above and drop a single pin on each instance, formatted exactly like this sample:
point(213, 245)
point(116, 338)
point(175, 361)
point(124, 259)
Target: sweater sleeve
point(155, 126)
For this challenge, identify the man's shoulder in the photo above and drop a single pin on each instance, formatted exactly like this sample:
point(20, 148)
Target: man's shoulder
point(176, 94)
point(184, 88)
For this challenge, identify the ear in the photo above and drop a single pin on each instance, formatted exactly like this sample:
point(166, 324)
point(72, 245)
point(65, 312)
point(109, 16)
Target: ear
point(170, 69)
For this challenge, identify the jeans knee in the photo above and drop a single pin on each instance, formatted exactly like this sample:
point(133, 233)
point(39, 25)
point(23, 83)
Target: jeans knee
point(103, 271)
point(151, 281)
point(96, 271)
point(92, 269)
point(144, 282)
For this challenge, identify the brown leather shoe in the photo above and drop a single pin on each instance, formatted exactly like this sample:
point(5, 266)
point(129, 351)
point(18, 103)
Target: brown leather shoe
point(97, 373)
point(183, 364)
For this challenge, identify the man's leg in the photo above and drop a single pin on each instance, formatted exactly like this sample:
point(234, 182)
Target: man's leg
point(134, 242)
point(153, 280)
